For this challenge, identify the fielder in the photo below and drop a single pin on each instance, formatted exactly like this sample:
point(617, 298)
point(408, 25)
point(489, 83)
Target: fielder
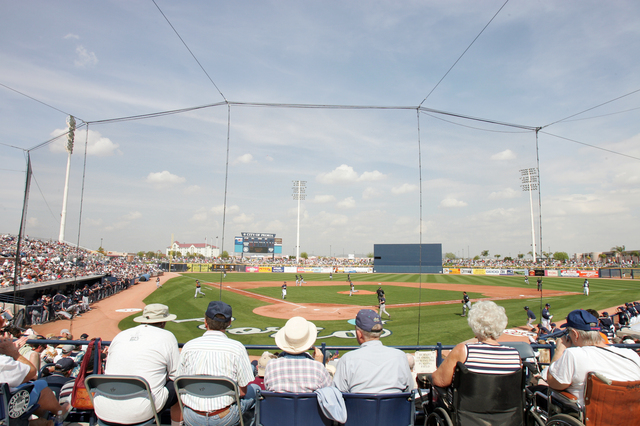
point(198, 289)
point(585, 287)
point(466, 303)
point(381, 307)
point(284, 290)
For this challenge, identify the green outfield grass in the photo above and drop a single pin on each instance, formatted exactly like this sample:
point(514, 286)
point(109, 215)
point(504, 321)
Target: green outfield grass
point(436, 323)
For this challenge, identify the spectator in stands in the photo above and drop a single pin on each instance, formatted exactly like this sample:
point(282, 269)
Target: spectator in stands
point(16, 370)
point(265, 359)
point(295, 370)
point(487, 321)
point(215, 354)
point(60, 375)
point(372, 368)
point(33, 351)
point(148, 351)
point(582, 351)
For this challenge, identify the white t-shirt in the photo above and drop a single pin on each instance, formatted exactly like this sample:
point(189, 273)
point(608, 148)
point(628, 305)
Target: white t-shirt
point(12, 372)
point(146, 351)
point(576, 362)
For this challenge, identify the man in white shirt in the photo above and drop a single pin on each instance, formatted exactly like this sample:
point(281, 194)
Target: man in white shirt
point(148, 351)
point(582, 351)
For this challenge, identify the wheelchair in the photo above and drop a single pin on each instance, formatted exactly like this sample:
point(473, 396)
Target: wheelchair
point(478, 399)
point(606, 402)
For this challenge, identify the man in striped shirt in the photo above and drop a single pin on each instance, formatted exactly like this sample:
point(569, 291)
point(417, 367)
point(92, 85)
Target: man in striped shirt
point(295, 370)
point(216, 355)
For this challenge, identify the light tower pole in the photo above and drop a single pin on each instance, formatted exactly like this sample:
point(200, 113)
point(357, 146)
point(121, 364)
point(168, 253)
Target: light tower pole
point(71, 122)
point(299, 187)
point(529, 178)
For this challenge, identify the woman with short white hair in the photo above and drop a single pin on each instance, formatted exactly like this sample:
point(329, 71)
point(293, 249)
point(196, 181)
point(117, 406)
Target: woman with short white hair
point(487, 321)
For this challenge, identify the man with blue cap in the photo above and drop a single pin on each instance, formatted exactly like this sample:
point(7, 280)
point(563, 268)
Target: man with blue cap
point(372, 368)
point(214, 354)
point(582, 351)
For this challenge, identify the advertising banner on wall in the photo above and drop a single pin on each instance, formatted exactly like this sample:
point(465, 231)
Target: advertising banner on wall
point(569, 273)
point(252, 269)
point(466, 271)
point(588, 274)
point(507, 272)
point(492, 271)
point(277, 269)
point(479, 271)
point(264, 269)
point(552, 273)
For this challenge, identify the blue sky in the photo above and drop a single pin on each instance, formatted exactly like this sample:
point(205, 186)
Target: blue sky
point(535, 64)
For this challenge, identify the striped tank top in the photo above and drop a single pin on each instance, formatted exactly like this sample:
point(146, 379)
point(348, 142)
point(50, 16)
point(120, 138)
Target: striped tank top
point(490, 359)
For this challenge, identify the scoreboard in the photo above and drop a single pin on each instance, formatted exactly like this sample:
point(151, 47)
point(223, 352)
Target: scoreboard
point(257, 243)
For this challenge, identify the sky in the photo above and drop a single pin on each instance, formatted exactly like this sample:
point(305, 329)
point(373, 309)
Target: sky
point(378, 169)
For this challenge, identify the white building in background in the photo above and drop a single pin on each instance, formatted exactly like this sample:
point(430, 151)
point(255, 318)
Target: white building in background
point(206, 250)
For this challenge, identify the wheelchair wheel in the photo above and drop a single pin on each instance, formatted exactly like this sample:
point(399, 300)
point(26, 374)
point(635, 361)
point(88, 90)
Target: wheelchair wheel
point(563, 420)
point(439, 417)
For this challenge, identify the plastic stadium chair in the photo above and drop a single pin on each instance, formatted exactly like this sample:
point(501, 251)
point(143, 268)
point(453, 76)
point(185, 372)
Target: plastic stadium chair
point(15, 406)
point(289, 409)
point(606, 402)
point(120, 388)
point(391, 409)
point(473, 398)
point(207, 387)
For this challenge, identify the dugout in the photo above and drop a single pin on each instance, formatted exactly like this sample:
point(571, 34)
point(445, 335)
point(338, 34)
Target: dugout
point(407, 258)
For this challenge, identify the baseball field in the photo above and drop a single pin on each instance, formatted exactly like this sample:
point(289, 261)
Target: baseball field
point(424, 309)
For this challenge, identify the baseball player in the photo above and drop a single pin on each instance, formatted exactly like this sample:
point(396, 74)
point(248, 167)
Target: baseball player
point(466, 303)
point(284, 290)
point(546, 317)
point(380, 293)
point(352, 288)
point(531, 317)
point(382, 309)
point(297, 280)
point(585, 287)
point(198, 289)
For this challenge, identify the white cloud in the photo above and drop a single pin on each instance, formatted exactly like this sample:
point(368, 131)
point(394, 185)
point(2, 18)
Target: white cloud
point(233, 209)
point(200, 215)
point(164, 179)
point(85, 58)
point(32, 222)
point(97, 145)
point(507, 154)
point(244, 159)
point(347, 203)
point(71, 36)
point(505, 194)
point(341, 174)
point(322, 199)
point(346, 174)
point(369, 193)
point(124, 221)
point(192, 189)
point(451, 203)
point(405, 188)
point(243, 219)
point(371, 176)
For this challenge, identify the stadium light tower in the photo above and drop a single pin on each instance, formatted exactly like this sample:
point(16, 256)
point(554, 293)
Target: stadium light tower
point(299, 187)
point(529, 178)
point(71, 122)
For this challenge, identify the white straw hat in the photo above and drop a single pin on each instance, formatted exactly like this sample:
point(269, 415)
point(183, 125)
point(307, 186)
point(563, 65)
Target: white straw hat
point(296, 336)
point(154, 313)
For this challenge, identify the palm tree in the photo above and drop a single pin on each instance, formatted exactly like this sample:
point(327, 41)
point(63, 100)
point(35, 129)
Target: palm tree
point(619, 251)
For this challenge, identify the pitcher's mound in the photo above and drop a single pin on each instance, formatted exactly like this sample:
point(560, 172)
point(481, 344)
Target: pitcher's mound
point(310, 311)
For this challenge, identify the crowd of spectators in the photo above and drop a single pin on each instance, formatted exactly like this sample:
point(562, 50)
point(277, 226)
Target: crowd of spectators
point(508, 263)
point(44, 260)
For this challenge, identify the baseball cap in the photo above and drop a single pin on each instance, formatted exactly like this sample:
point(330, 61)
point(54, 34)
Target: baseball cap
point(219, 308)
point(67, 349)
point(65, 364)
point(526, 307)
point(367, 319)
point(64, 331)
point(581, 320)
point(546, 304)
